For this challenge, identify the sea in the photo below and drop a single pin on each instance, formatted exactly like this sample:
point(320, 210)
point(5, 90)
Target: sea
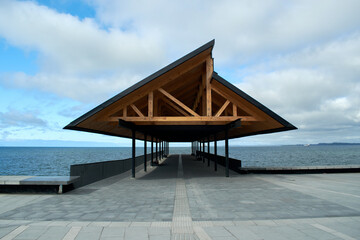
point(56, 161)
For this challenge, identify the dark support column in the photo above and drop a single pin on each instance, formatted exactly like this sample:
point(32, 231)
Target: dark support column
point(152, 151)
point(162, 149)
point(156, 150)
point(145, 151)
point(227, 152)
point(203, 158)
point(209, 151)
point(133, 154)
point(215, 153)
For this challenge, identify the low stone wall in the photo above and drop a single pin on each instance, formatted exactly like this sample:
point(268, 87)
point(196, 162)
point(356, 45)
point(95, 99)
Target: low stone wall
point(93, 172)
point(234, 164)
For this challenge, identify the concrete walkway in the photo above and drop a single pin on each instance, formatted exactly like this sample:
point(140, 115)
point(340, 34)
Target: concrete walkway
point(185, 199)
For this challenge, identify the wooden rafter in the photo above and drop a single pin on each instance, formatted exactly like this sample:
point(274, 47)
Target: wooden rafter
point(125, 111)
point(175, 100)
point(221, 110)
point(237, 103)
point(198, 97)
point(136, 110)
point(234, 110)
point(176, 107)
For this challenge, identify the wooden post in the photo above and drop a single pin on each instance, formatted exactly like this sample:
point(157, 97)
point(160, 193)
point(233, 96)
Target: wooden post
point(152, 151)
point(215, 152)
point(145, 151)
point(227, 152)
point(151, 104)
point(208, 76)
point(133, 154)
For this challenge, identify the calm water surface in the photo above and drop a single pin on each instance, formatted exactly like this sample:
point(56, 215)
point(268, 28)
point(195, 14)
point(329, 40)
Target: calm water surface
point(57, 160)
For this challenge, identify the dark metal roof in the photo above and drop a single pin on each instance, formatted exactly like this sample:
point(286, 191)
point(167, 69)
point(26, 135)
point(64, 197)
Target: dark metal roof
point(248, 98)
point(146, 80)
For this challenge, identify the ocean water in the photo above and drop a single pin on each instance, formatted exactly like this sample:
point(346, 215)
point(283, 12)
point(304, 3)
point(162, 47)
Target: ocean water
point(54, 161)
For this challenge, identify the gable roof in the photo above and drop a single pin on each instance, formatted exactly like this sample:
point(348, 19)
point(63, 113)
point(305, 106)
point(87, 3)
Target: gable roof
point(184, 101)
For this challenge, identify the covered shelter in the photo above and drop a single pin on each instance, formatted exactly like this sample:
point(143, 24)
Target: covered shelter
point(186, 101)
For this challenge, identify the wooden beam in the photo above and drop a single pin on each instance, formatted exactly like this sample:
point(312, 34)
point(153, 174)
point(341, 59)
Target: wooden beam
point(222, 108)
point(203, 98)
point(137, 110)
point(234, 109)
point(125, 111)
point(175, 100)
point(181, 120)
point(242, 106)
point(177, 108)
point(198, 97)
point(151, 104)
point(155, 84)
point(200, 120)
point(208, 75)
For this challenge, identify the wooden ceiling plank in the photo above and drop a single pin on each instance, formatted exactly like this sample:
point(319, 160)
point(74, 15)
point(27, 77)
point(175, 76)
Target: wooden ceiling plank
point(136, 110)
point(172, 98)
point(221, 110)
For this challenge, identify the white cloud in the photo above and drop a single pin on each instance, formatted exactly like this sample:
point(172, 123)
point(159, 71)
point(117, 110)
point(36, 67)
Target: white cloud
point(244, 30)
point(77, 58)
point(86, 89)
point(317, 89)
point(14, 118)
point(71, 45)
point(299, 58)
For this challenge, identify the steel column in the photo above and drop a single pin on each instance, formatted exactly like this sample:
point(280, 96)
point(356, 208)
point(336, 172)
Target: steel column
point(133, 154)
point(152, 151)
point(227, 152)
point(208, 151)
point(215, 153)
point(156, 150)
point(203, 158)
point(145, 151)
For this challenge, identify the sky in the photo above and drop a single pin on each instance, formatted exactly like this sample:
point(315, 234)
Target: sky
point(61, 58)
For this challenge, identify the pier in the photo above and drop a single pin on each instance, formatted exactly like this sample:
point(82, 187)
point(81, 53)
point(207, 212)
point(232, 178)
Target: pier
point(183, 198)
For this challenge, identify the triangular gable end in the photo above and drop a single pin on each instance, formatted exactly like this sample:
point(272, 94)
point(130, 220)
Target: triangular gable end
point(185, 101)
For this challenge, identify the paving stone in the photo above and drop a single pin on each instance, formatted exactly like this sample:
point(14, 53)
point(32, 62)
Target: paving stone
point(297, 206)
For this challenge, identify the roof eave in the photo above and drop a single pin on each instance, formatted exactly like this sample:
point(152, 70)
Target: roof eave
point(260, 106)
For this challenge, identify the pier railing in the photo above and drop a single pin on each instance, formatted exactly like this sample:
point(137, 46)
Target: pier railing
point(234, 164)
point(93, 172)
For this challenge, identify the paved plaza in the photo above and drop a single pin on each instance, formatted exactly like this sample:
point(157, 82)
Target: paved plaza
point(184, 199)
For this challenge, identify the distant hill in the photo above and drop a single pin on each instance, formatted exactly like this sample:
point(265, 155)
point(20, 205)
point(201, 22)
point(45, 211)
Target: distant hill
point(336, 143)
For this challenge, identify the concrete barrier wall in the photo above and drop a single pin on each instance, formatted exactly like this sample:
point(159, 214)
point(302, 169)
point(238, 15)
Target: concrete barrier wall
point(234, 164)
point(92, 172)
